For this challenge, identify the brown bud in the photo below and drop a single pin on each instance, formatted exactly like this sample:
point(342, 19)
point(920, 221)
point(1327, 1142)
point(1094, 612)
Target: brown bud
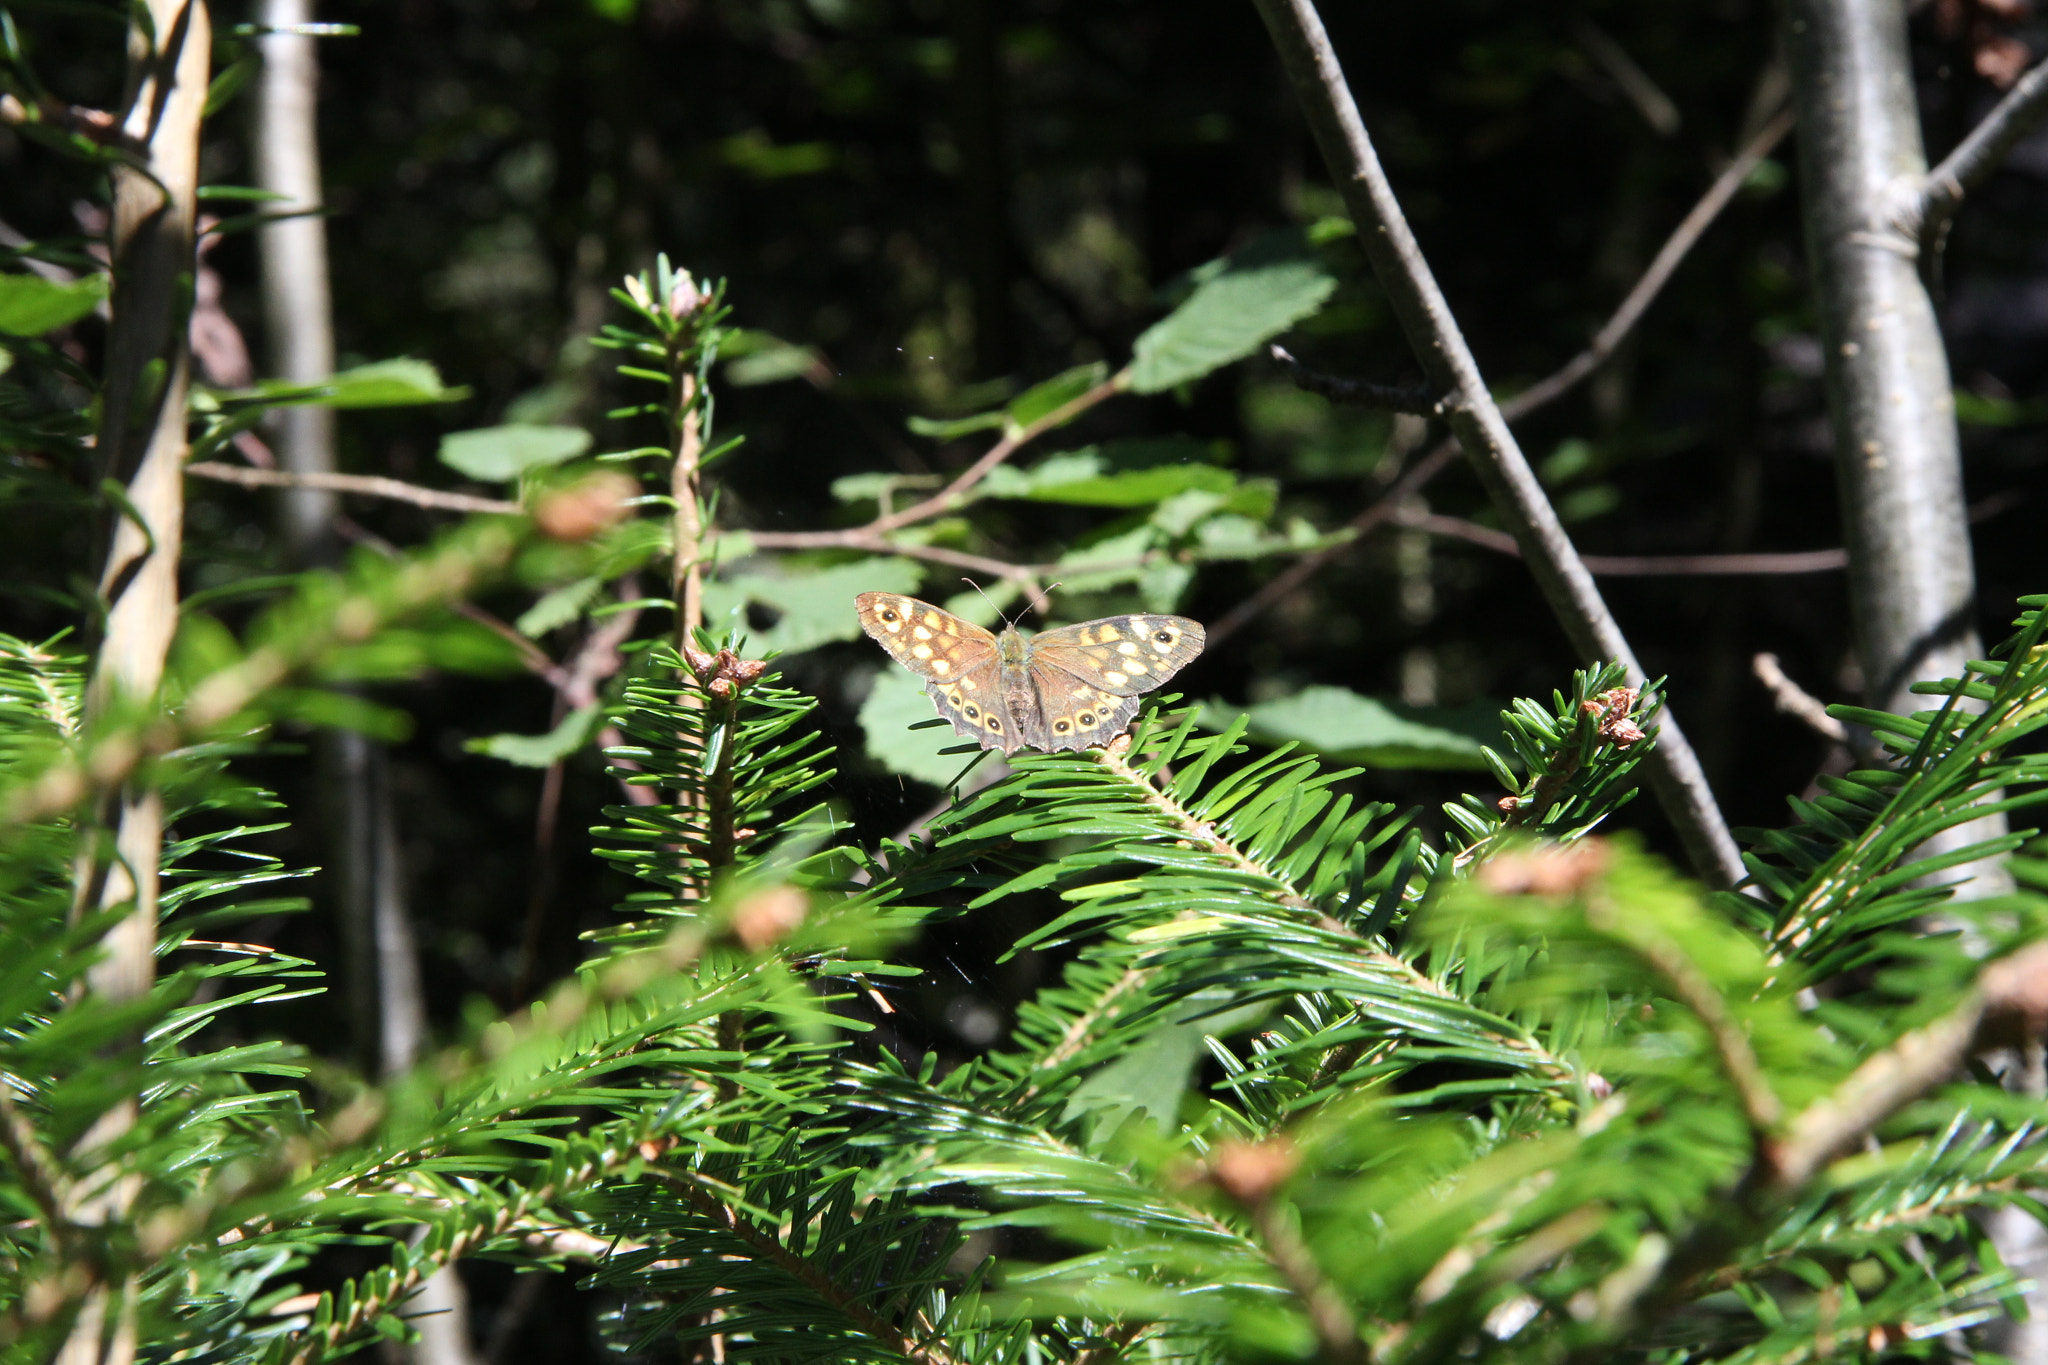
point(2000, 59)
point(1249, 1172)
point(746, 671)
point(701, 663)
point(1621, 733)
point(767, 917)
point(1508, 805)
point(720, 687)
point(597, 502)
point(1554, 870)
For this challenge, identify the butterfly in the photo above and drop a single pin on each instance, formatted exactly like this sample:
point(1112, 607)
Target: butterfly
point(1061, 689)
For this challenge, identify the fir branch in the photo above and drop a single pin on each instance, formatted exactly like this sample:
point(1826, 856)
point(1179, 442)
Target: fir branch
point(449, 571)
point(711, 1201)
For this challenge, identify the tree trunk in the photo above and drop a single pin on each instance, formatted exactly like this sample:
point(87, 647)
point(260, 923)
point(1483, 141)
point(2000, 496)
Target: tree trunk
point(1898, 457)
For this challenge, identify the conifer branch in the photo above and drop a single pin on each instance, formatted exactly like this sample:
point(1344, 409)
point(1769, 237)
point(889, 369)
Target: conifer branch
point(713, 1204)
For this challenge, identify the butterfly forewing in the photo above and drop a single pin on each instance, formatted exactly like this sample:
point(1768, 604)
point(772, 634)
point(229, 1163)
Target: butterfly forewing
point(1065, 689)
point(957, 659)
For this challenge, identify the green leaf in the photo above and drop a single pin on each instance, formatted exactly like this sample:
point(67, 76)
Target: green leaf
point(498, 454)
point(385, 384)
point(542, 751)
point(1115, 474)
point(808, 607)
point(1340, 723)
point(953, 428)
point(1258, 293)
point(558, 608)
point(31, 305)
point(1055, 393)
point(895, 704)
point(770, 361)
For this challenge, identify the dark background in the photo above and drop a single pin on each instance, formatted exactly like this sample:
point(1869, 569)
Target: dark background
point(949, 198)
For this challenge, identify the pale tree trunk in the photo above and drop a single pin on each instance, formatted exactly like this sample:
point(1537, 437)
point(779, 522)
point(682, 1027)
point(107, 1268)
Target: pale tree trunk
point(381, 961)
point(1865, 192)
point(142, 448)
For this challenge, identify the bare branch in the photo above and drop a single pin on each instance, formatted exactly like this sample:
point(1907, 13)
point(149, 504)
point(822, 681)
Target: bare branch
point(1478, 423)
point(1545, 391)
point(1635, 84)
point(1361, 393)
point(1681, 241)
point(1795, 700)
point(1411, 482)
point(1942, 190)
point(367, 485)
point(1640, 566)
point(1010, 444)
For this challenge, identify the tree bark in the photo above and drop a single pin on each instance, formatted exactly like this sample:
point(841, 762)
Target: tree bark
point(298, 307)
point(142, 445)
point(1898, 458)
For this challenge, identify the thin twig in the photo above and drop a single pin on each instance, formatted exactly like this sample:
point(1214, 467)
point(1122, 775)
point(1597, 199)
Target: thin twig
point(871, 535)
point(1012, 441)
point(1481, 428)
point(1411, 482)
point(1675, 249)
point(1942, 190)
point(1545, 391)
point(1359, 393)
point(368, 485)
point(1795, 700)
point(1639, 566)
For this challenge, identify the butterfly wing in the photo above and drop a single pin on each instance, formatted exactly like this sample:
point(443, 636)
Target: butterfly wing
point(956, 658)
point(1089, 677)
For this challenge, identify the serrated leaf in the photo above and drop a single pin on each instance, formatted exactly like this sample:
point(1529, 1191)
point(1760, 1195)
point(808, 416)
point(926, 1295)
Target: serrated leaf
point(1340, 723)
point(501, 454)
point(1055, 393)
point(1259, 293)
point(31, 305)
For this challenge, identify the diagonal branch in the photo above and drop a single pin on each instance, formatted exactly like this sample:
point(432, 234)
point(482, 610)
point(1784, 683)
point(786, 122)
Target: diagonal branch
point(1940, 193)
point(1477, 421)
point(1540, 394)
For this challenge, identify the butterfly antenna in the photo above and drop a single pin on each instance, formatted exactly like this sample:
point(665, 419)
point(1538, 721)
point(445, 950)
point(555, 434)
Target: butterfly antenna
point(986, 598)
point(1038, 603)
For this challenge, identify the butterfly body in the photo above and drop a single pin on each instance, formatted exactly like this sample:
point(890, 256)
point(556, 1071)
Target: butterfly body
point(1061, 689)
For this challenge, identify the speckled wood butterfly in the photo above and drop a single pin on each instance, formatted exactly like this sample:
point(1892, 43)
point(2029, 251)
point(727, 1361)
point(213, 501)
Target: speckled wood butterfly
point(1063, 689)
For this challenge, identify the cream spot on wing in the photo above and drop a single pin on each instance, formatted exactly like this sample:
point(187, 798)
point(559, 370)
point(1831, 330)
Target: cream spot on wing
point(921, 651)
point(1139, 667)
point(1127, 648)
point(1083, 693)
point(1137, 624)
point(921, 633)
point(1117, 679)
point(932, 618)
point(970, 684)
point(941, 666)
